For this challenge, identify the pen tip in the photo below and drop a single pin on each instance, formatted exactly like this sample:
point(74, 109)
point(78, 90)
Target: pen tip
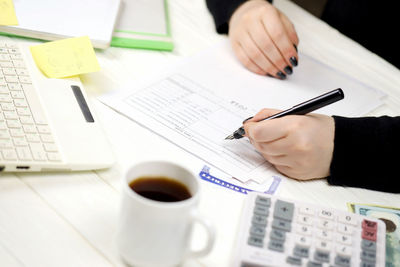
point(229, 137)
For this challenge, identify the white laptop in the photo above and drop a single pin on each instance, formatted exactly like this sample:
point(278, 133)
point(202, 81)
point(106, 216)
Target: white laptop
point(59, 19)
point(46, 124)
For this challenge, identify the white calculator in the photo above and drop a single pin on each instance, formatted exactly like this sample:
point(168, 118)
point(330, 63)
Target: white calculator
point(280, 232)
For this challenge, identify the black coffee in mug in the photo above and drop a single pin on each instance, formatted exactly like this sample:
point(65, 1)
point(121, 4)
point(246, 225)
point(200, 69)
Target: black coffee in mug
point(160, 188)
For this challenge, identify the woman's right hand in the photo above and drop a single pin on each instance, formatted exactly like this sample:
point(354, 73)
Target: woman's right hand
point(263, 39)
point(299, 146)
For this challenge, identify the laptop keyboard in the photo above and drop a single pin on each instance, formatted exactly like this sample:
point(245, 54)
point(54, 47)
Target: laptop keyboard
point(25, 135)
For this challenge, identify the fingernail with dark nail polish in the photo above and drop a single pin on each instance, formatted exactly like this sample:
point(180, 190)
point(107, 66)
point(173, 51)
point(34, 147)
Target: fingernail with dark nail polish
point(293, 60)
point(288, 70)
point(281, 75)
point(295, 47)
point(249, 118)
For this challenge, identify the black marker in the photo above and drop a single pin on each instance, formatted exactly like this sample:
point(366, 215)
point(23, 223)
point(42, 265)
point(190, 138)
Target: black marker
point(300, 109)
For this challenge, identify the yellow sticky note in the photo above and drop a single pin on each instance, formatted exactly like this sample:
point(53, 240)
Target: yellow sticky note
point(65, 58)
point(7, 13)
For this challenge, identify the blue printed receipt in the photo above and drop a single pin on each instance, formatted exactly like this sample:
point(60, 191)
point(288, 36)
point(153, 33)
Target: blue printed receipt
point(269, 187)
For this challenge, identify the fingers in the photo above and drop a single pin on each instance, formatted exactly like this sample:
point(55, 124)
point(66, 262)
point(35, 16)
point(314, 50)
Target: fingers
point(266, 131)
point(280, 37)
point(245, 59)
point(292, 36)
point(264, 113)
point(257, 55)
point(263, 39)
point(267, 47)
point(290, 30)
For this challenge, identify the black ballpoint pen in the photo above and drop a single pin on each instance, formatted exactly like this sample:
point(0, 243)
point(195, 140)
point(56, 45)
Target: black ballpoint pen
point(300, 109)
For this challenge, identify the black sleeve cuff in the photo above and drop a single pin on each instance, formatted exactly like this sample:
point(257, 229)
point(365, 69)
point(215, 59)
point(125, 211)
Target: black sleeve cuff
point(365, 153)
point(222, 11)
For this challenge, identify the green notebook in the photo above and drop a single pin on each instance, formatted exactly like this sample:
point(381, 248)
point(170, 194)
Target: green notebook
point(143, 24)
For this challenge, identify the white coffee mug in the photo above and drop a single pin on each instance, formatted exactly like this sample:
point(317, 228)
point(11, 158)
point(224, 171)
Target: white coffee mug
point(154, 233)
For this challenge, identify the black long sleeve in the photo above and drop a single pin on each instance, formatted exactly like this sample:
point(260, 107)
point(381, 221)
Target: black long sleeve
point(366, 153)
point(222, 10)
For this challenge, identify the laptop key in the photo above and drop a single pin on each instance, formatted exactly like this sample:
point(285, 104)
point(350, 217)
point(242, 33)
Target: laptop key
point(34, 104)
point(50, 147)
point(9, 154)
point(14, 87)
point(3, 89)
point(43, 129)
point(26, 119)
point(47, 138)
point(38, 152)
point(17, 95)
point(24, 153)
point(52, 156)
point(6, 143)
point(33, 138)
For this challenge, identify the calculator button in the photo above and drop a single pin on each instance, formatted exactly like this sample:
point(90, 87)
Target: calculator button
point(302, 240)
point(345, 239)
point(347, 219)
point(325, 224)
point(326, 214)
point(263, 201)
point(307, 211)
point(368, 235)
point(345, 229)
point(367, 264)
point(304, 230)
point(368, 245)
point(282, 225)
point(314, 264)
point(293, 260)
point(255, 241)
point(322, 256)
point(368, 256)
point(257, 231)
point(261, 210)
point(344, 250)
point(301, 251)
point(259, 220)
point(305, 219)
point(276, 245)
point(277, 235)
point(323, 234)
point(283, 210)
point(369, 225)
point(343, 261)
point(323, 245)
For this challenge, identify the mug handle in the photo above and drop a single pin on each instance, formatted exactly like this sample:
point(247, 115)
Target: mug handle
point(210, 229)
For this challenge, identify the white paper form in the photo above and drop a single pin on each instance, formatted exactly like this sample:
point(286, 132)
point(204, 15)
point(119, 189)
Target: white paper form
point(198, 103)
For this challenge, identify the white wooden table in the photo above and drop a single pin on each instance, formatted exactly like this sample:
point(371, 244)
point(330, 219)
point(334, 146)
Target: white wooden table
point(69, 219)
